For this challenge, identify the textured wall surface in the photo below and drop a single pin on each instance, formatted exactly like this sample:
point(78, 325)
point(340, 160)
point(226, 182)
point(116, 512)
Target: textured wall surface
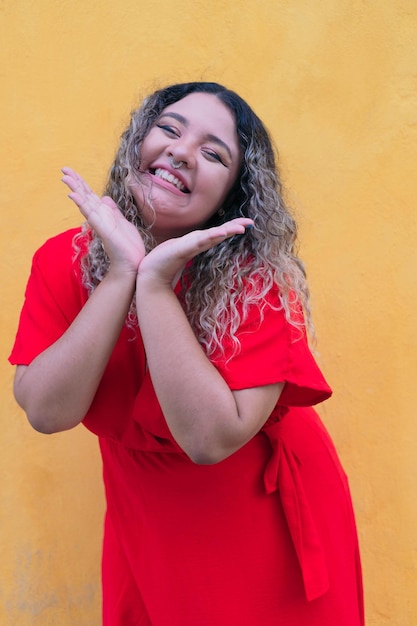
point(335, 82)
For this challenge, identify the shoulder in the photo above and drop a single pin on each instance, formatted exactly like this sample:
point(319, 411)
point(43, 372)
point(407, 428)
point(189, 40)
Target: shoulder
point(56, 264)
point(60, 247)
point(54, 296)
point(61, 253)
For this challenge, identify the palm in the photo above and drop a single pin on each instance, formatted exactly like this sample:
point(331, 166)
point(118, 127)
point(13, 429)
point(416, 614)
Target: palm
point(120, 238)
point(167, 260)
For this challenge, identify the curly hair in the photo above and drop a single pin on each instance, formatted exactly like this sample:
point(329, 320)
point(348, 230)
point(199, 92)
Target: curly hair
point(221, 284)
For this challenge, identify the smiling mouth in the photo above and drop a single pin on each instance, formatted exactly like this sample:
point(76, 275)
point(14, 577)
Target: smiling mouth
point(170, 178)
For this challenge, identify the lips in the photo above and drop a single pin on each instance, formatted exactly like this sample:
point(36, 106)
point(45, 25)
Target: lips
point(168, 176)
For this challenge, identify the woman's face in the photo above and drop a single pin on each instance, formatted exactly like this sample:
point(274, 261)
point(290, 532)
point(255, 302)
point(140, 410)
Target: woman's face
point(200, 132)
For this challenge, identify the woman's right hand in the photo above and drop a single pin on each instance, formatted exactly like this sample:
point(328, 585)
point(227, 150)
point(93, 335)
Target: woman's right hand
point(57, 388)
point(121, 239)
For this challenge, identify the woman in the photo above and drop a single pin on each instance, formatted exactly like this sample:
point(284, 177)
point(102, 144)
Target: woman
point(172, 326)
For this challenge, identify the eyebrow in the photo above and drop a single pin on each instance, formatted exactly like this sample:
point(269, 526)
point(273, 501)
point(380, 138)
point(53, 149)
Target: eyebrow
point(209, 136)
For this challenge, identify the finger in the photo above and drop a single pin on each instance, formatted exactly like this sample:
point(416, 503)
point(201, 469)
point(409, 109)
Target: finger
point(86, 206)
point(244, 221)
point(199, 241)
point(75, 182)
point(81, 194)
point(69, 171)
point(71, 183)
point(73, 174)
point(85, 199)
point(228, 229)
point(78, 201)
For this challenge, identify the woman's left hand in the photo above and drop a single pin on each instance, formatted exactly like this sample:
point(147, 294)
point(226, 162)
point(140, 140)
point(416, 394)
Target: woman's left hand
point(165, 263)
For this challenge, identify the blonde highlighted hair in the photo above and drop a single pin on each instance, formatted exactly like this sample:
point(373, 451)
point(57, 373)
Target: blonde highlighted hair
point(221, 284)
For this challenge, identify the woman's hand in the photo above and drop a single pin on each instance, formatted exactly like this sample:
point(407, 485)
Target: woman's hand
point(120, 238)
point(164, 264)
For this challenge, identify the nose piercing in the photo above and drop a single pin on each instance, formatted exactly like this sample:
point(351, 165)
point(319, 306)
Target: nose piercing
point(175, 165)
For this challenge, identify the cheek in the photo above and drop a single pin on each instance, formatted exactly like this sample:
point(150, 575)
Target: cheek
point(140, 192)
point(221, 188)
point(153, 143)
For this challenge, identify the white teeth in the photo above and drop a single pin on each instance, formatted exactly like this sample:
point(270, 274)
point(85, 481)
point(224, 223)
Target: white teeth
point(161, 173)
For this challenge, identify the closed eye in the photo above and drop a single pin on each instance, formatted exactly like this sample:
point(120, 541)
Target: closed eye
point(168, 129)
point(214, 156)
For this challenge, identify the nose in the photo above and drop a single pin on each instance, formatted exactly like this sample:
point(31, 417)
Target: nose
point(182, 150)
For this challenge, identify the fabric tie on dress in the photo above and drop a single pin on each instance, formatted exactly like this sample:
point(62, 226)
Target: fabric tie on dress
point(282, 474)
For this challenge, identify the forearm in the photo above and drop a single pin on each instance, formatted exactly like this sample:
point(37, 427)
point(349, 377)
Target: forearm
point(206, 418)
point(57, 388)
point(197, 403)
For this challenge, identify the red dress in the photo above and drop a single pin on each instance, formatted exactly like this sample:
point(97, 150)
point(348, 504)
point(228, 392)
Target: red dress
point(266, 537)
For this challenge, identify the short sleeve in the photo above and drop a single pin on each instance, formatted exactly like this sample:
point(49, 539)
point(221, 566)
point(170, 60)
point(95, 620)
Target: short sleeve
point(53, 298)
point(272, 350)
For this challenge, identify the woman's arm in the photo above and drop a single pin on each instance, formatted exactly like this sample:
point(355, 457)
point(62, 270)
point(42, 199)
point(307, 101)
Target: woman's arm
point(57, 388)
point(205, 417)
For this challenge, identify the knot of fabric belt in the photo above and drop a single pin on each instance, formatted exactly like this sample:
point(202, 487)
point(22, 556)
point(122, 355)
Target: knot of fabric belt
point(282, 474)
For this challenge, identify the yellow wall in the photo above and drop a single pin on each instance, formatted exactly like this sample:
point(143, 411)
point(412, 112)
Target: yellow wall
point(335, 81)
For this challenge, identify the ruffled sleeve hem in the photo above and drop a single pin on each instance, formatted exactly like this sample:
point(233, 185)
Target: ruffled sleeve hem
point(274, 351)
